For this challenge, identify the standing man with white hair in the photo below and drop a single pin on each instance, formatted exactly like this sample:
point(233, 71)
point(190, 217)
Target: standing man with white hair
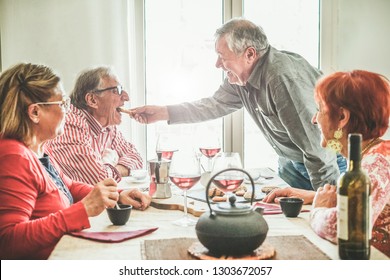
point(276, 87)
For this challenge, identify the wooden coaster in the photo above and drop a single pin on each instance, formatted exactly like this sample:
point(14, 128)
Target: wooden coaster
point(264, 252)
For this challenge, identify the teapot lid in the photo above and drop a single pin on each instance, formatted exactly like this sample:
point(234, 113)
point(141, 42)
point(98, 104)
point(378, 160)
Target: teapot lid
point(231, 208)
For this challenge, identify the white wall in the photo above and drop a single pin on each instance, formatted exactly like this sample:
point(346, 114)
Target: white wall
point(356, 35)
point(69, 36)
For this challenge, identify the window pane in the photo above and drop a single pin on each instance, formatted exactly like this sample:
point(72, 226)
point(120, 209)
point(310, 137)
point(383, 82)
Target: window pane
point(180, 61)
point(291, 25)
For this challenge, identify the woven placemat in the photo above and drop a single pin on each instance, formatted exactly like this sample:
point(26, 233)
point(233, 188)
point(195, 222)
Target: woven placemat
point(290, 247)
point(264, 252)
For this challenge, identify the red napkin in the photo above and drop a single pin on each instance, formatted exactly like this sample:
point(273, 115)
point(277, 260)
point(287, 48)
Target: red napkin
point(270, 208)
point(112, 237)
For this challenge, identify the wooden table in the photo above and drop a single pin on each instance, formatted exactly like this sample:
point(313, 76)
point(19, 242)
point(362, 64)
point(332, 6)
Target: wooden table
point(70, 247)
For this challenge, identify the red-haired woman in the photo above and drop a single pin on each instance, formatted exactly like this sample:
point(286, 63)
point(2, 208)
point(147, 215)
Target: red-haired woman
point(352, 102)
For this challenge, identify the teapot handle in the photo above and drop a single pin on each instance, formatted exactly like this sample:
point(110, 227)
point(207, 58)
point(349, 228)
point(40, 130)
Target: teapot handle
point(222, 171)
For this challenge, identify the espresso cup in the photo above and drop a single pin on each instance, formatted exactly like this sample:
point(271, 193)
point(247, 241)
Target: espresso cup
point(291, 206)
point(120, 216)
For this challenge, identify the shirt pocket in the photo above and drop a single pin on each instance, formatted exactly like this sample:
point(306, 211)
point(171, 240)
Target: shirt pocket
point(271, 120)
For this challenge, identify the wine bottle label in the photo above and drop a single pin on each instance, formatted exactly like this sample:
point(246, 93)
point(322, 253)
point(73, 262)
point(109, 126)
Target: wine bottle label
point(342, 221)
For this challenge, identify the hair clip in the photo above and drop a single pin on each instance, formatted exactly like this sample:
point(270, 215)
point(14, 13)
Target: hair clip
point(23, 86)
point(22, 82)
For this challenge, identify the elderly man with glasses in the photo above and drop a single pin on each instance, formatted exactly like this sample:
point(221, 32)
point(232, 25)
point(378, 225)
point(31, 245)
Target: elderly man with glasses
point(92, 147)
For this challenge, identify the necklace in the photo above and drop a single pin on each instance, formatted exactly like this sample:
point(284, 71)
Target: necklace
point(370, 144)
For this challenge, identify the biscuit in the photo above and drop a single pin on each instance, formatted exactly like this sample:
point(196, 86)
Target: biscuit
point(215, 192)
point(248, 195)
point(240, 192)
point(219, 198)
point(241, 188)
point(212, 192)
point(268, 189)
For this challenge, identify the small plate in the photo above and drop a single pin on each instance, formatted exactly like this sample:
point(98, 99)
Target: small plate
point(139, 174)
point(257, 176)
point(131, 179)
point(137, 180)
point(260, 180)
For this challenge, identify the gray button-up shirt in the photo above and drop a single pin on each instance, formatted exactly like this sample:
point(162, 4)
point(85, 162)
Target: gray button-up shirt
point(279, 95)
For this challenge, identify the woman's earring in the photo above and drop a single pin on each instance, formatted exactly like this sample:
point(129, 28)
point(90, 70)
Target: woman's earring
point(335, 144)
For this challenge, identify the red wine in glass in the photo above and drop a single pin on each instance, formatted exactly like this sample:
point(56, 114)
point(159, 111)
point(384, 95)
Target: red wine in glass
point(184, 182)
point(184, 172)
point(165, 154)
point(227, 184)
point(210, 152)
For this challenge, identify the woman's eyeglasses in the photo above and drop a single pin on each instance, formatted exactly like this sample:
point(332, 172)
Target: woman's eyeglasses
point(64, 104)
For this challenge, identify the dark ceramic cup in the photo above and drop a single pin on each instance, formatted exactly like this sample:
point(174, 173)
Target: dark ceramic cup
point(291, 206)
point(119, 216)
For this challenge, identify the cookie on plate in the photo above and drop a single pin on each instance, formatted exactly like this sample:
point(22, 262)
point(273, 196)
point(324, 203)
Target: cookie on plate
point(268, 189)
point(219, 198)
point(240, 193)
point(215, 192)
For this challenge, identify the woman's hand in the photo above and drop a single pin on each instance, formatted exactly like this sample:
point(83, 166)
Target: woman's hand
point(326, 196)
point(103, 195)
point(275, 194)
point(136, 198)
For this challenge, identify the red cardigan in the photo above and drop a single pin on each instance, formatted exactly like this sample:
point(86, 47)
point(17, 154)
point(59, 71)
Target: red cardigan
point(34, 213)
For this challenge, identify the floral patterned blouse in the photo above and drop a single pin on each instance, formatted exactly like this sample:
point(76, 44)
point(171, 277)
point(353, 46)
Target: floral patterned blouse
point(376, 162)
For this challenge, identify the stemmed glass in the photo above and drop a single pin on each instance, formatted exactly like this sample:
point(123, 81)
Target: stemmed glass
point(165, 146)
point(228, 181)
point(184, 172)
point(210, 147)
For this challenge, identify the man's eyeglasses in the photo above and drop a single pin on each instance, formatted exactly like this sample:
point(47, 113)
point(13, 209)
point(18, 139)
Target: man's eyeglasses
point(64, 104)
point(117, 90)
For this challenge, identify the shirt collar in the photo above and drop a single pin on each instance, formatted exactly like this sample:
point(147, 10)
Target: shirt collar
point(96, 127)
point(255, 77)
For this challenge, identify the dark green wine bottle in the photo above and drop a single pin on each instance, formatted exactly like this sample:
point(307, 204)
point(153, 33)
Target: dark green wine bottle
point(354, 205)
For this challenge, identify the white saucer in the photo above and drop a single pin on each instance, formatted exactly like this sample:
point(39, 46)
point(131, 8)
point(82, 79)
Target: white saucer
point(260, 180)
point(131, 179)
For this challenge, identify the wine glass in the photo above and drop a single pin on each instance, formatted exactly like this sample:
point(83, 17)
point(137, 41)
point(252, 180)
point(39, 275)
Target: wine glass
point(166, 146)
point(227, 181)
point(184, 172)
point(210, 146)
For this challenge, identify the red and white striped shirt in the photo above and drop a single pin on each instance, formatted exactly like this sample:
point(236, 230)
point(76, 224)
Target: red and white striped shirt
point(79, 150)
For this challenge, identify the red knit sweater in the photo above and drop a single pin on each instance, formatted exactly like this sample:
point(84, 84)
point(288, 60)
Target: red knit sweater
point(34, 213)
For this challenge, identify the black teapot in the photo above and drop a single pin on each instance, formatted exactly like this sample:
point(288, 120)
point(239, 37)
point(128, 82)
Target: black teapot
point(230, 229)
